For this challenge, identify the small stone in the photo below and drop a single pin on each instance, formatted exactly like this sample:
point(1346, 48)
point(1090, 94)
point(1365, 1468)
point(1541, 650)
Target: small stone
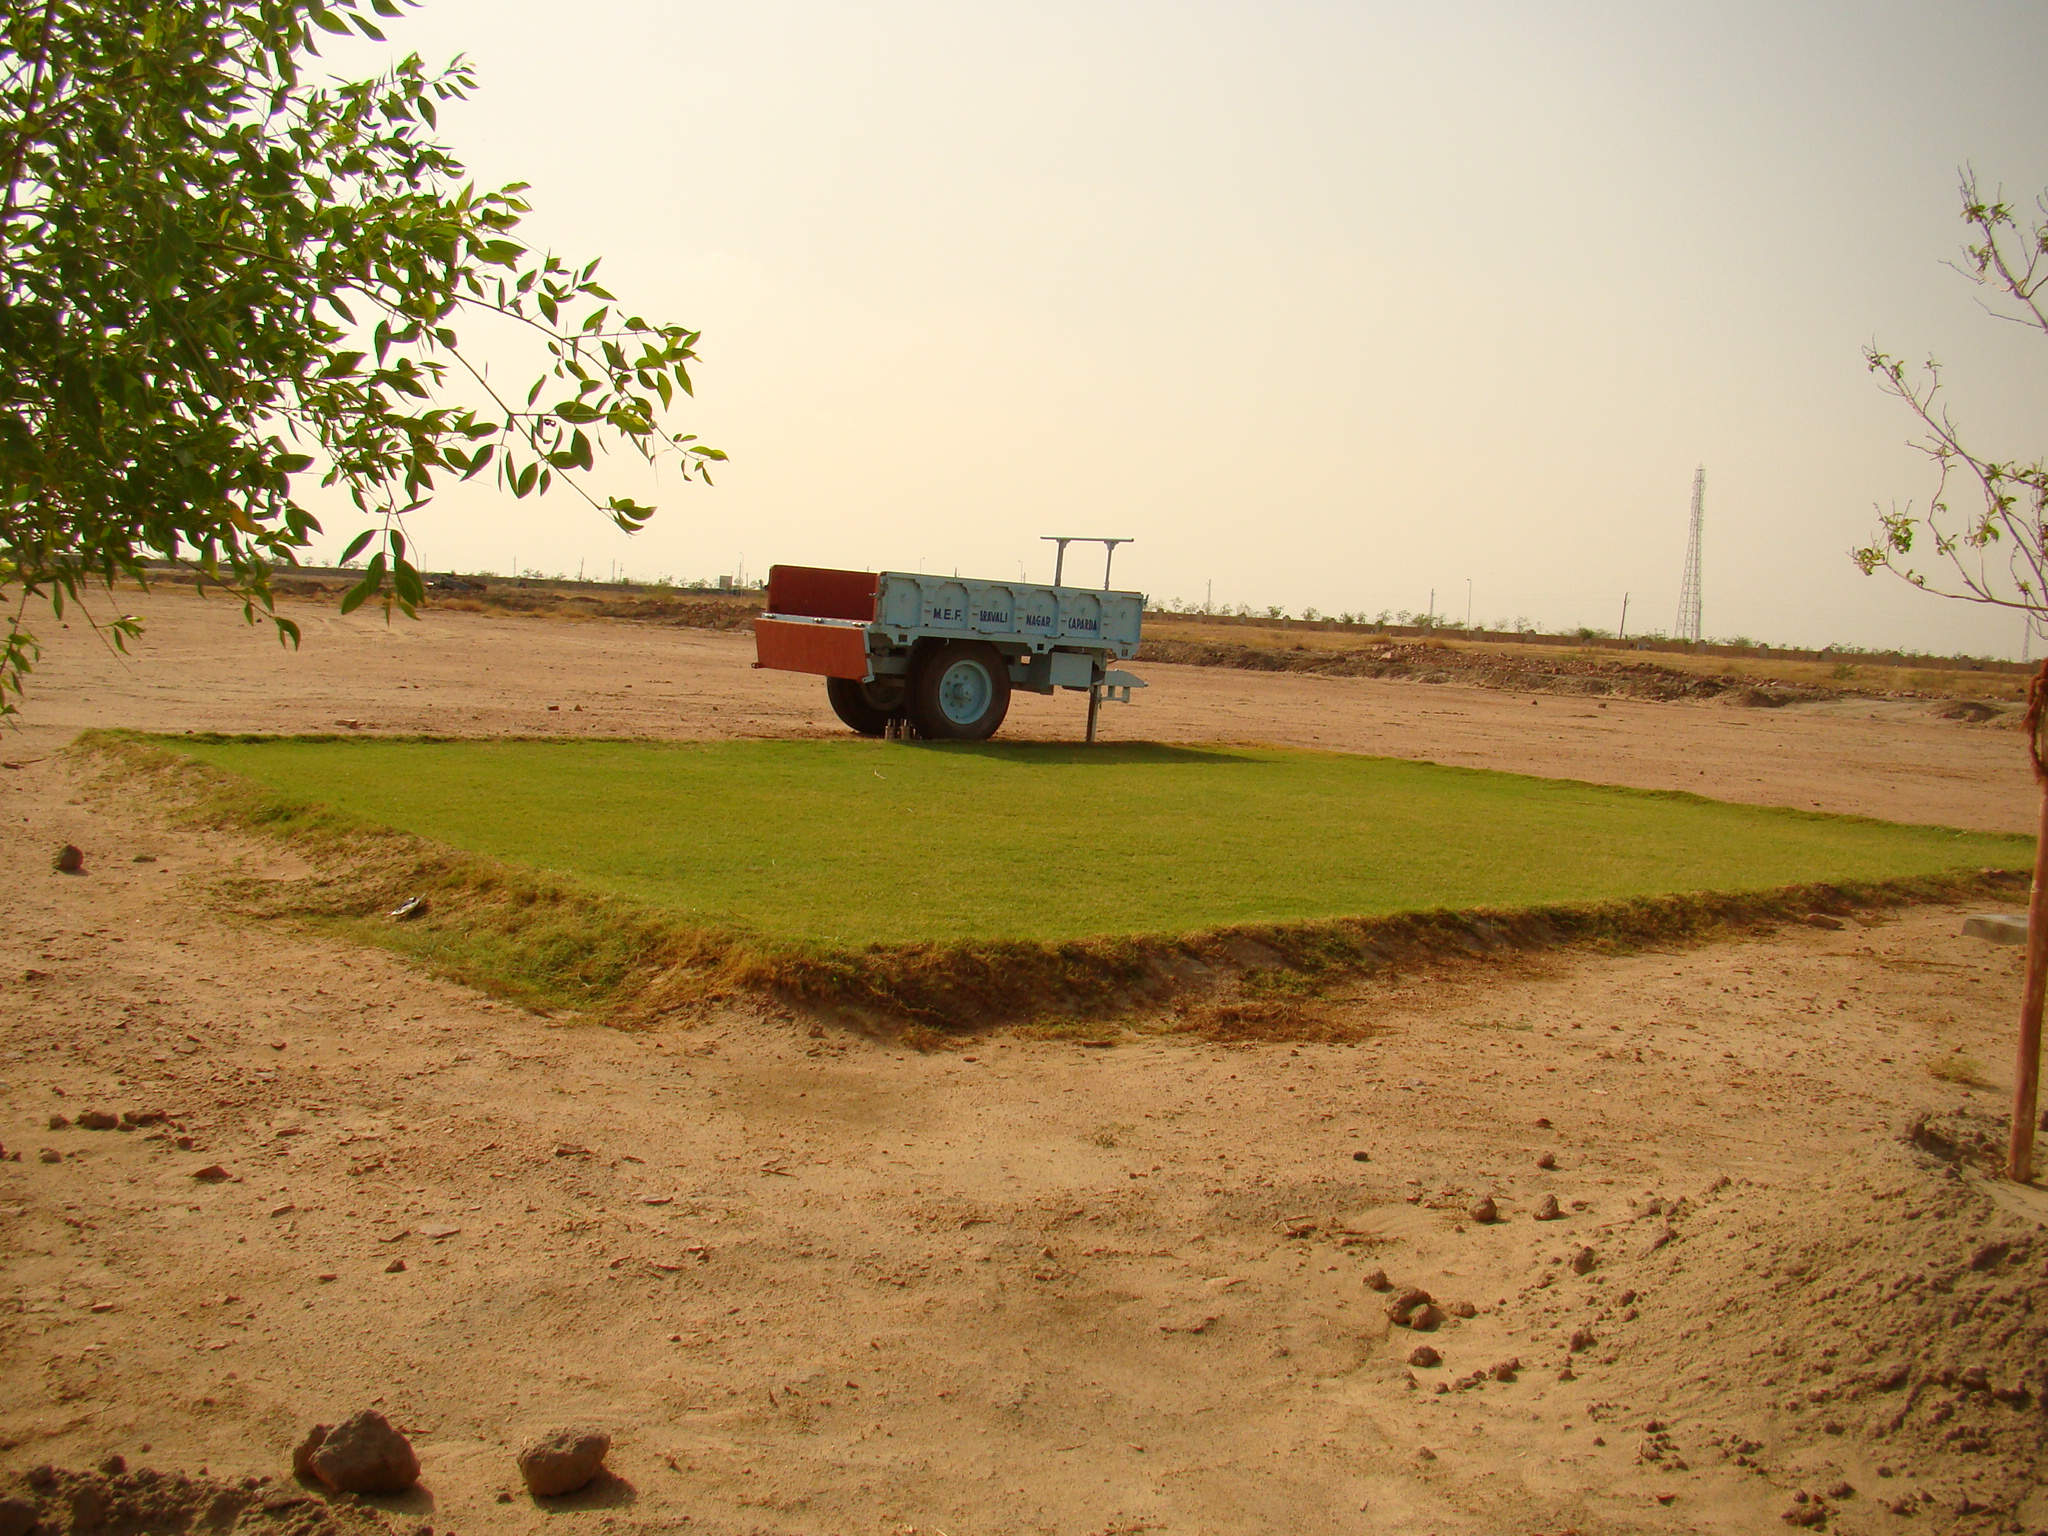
point(1463, 1309)
point(1546, 1209)
point(212, 1173)
point(1583, 1260)
point(60, 1122)
point(1424, 1355)
point(1546, 1159)
point(1658, 1239)
point(1841, 1491)
point(1976, 1378)
point(1504, 1370)
point(1424, 1453)
point(1568, 1374)
point(1376, 1280)
point(328, 1278)
point(1543, 1122)
point(1582, 1338)
point(50, 1155)
point(302, 1457)
point(563, 1461)
point(1404, 1304)
point(1822, 920)
point(98, 1120)
point(1484, 1210)
point(1804, 1512)
point(395, 1267)
point(364, 1454)
point(185, 1143)
point(1426, 1318)
point(69, 860)
point(1360, 1157)
point(17, 1517)
point(113, 1464)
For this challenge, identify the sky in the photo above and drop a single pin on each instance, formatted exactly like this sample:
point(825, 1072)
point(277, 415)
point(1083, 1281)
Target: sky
point(1326, 305)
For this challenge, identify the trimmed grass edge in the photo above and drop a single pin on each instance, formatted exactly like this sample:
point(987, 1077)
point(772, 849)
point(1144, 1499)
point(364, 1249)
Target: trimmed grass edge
point(543, 940)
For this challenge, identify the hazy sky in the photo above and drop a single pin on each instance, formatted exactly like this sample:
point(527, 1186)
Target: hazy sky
point(1327, 304)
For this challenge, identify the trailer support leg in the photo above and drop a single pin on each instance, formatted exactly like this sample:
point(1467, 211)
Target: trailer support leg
point(1094, 707)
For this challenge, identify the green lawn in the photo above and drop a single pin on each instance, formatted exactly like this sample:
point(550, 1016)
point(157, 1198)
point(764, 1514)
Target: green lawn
point(847, 842)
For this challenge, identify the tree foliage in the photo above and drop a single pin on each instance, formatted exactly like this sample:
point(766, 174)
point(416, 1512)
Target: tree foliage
point(1983, 537)
point(219, 279)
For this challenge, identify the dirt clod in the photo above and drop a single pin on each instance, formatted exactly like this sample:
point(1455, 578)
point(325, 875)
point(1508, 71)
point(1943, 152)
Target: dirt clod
point(1546, 1159)
point(1403, 1306)
point(1582, 1339)
point(50, 1155)
point(1582, 1260)
point(1424, 1355)
point(563, 1461)
point(1484, 1210)
point(68, 860)
point(98, 1120)
point(1546, 1209)
point(1376, 1280)
point(365, 1454)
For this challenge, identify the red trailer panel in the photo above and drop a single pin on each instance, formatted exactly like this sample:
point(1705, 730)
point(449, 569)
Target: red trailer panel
point(822, 593)
point(830, 649)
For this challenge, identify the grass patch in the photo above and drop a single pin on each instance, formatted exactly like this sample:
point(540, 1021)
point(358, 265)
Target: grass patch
point(849, 843)
point(946, 886)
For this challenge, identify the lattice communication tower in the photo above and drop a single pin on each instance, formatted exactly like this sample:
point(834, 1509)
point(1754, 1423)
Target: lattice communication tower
point(1689, 589)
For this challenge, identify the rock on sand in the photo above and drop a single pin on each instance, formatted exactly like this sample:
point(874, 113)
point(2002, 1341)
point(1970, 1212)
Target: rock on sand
point(563, 1461)
point(361, 1454)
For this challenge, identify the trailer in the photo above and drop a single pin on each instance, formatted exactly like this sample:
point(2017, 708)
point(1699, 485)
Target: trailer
point(938, 656)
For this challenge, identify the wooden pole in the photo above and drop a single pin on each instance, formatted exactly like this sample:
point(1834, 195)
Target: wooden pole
point(1095, 707)
point(2026, 1077)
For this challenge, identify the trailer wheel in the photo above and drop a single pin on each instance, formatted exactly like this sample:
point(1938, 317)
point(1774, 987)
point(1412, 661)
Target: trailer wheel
point(866, 707)
point(961, 692)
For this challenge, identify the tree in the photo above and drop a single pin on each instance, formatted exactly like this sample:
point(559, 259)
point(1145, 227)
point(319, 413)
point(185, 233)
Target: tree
point(218, 280)
point(1993, 549)
point(1990, 544)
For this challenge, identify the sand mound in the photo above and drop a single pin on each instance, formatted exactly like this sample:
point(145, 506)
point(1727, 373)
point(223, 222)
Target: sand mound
point(118, 1502)
point(1883, 1330)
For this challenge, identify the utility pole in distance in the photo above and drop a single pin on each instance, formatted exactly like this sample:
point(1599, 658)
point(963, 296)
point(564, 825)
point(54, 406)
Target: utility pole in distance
point(1622, 633)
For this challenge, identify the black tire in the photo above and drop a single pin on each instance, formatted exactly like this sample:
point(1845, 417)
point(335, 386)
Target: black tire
point(866, 707)
point(961, 692)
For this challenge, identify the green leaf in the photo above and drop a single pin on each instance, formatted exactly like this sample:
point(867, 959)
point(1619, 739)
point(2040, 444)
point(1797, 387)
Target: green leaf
point(357, 545)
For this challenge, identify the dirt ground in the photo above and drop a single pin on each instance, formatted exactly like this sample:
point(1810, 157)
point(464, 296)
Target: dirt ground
point(814, 1283)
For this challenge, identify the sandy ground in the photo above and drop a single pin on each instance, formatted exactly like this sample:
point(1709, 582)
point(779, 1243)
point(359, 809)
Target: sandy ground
point(816, 1284)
